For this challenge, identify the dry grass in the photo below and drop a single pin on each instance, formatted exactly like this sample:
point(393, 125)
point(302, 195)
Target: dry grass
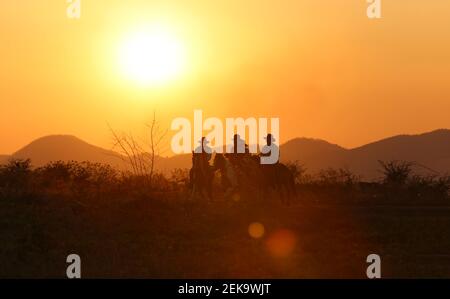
point(122, 230)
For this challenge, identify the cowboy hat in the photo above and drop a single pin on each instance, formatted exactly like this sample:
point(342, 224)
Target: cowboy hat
point(238, 137)
point(203, 141)
point(272, 139)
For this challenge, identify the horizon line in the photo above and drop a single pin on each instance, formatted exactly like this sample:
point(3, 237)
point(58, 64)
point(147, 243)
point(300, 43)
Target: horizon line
point(303, 137)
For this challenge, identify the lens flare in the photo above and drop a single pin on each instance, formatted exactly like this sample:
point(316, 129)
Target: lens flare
point(256, 230)
point(281, 243)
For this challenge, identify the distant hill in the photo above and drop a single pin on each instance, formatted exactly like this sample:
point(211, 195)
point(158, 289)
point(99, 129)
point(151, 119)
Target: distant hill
point(431, 150)
point(70, 148)
point(316, 154)
point(66, 148)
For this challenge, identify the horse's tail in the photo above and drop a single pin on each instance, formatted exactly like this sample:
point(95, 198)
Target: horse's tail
point(287, 181)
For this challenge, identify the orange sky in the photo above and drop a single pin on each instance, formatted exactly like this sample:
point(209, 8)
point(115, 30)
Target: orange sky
point(321, 66)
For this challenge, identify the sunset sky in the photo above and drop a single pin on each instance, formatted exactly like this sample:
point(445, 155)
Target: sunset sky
point(321, 66)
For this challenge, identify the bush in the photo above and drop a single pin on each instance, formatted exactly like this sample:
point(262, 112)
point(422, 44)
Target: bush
point(298, 172)
point(15, 178)
point(92, 183)
point(179, 178)
point(81, 179)
point(337, 177)
point(431, 187)
point(396, 173)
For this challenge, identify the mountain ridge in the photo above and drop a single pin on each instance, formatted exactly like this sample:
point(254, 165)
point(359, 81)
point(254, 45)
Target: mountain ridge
point(431, 149)
point(65, 148)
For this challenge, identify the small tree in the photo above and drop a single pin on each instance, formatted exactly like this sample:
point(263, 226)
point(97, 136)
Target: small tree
point(157, 136)
point(396, 173)
point(141, 156)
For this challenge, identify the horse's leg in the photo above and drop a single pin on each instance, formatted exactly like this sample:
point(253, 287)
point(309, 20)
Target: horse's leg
point(287, 194)
point(191, 178)
point(207, 192)
point(194, 189)
point(204, 194)
point(210, 190)
point(265, 185)
point(280, 185)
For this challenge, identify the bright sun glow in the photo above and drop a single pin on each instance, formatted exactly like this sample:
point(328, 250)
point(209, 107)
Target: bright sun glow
point(152, 57)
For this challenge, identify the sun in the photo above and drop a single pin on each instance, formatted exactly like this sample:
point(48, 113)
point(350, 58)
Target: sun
point(151, 57)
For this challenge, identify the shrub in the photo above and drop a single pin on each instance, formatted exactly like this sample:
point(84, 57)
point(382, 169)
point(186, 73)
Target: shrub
point(431, 187)
point(337, 177)
point(298, 172)
point(15, 178)
point(396, 173)
point(179, 178)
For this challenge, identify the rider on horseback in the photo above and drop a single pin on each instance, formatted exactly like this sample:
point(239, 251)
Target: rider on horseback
point(201, 173)
point(270, 147)
point(203, 150)
point(240, 152)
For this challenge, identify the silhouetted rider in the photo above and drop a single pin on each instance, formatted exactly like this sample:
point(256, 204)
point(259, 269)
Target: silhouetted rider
point(270, 151)
point(204, 150)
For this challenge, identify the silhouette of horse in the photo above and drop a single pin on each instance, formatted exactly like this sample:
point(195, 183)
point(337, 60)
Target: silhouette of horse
point(201, 177)
point(247, 176)
point(279, 178)
point(229, 179)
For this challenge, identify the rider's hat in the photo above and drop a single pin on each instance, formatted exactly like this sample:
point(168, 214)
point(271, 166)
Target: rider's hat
point(203, 141)
point(272, 139)
point(237, 138)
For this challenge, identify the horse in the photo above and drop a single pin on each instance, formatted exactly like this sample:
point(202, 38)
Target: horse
point(229, 178)
point(247, 175)
point(201, 177)
point(279, 178)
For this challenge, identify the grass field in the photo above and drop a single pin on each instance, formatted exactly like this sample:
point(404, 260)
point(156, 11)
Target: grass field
point(165, 236)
